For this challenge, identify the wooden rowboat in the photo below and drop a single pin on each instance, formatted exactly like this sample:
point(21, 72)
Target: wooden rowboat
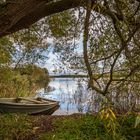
point(31, 106)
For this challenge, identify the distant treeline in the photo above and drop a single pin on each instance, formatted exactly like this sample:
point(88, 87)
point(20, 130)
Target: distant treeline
point(68, 76)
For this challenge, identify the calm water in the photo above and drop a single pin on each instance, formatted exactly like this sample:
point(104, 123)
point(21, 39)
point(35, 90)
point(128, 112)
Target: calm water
point(74, 97)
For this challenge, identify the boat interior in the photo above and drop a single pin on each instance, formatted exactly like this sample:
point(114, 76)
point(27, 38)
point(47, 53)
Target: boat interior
point(37, 100)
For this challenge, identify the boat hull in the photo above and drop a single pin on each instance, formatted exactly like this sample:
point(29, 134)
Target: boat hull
point(28, 108)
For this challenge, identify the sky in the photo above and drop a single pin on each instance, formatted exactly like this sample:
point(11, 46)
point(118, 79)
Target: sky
point(53, 62)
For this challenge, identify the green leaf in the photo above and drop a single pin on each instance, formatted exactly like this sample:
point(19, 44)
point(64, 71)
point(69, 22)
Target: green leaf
point(137, 122)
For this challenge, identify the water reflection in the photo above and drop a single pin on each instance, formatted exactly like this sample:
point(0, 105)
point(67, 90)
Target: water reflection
point(74, 97)
point(72, 94)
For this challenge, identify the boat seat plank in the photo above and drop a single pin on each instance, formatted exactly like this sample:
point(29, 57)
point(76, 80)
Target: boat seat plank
point(30, 100)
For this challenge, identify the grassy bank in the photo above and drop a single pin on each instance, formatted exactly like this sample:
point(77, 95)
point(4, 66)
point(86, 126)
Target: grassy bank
point(23, 81)
point(73, 127)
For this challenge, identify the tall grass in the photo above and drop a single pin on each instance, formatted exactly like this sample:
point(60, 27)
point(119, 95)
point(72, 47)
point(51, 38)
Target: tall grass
point(21, 82)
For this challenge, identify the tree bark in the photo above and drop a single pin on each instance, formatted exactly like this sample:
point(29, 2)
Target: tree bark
point(21, 14)
point(15, 16)
point(85, 48)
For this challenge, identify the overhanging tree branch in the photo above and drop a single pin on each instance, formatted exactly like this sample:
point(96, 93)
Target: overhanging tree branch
point(21, 15)
point(85, 50)
point(14, 17)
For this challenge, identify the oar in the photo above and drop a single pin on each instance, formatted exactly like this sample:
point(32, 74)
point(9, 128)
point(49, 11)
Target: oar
point(43, 100)
point(46, 100)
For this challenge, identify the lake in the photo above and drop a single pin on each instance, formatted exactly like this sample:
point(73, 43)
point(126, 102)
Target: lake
point(75, 97)
point(72, 93)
